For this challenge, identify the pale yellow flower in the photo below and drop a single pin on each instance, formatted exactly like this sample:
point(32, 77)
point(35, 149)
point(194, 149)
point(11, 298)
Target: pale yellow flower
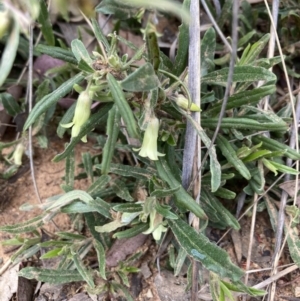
point(81, 115)
point(149, 146)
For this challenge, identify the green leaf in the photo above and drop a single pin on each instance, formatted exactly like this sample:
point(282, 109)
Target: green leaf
point(10, 105)
point(99, 35)
point(80, 51)
point(84, 272)
point(58, 53)
point(274, 166)
point(153, 49)
point(101, 258)
point(256, 155)
point(241, 74)
point(28, 226)
point(118, 8)
point(225, 193)
point(181, 57)
point(67, 118)
point(142, 79)
point(274, 145)
point(216, 212)
point(68, 198)
point(182, 199)
point(51, 254)
point(95, 119)
point(165, 211)
point(134, 231)
point(50, 99)
point(243, 124)
point(208, 46)
point(88, 165)
point(249, 56)
point(246, 38)
point(9, 52)
point(201, 249)
point(130, 208)
point(46, 26)
point(181, 257)
point(50, 276)
point(243, 98)
point(121, 190)
point(129, 171)
point(230, 154)
point(84, 66)
point(123, 106)
point(99, 184)
point(70, 168)
point(225, 13)
point(162, 193)
point(112, 132)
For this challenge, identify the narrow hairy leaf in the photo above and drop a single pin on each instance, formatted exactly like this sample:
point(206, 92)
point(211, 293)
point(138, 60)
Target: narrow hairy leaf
point(68, 198)
point(83, 271)
point(50, 276)
point(134, 231)
point(129, 171)
point(27, 226)
point(130, 208)
point(274, 145)
point(181, 57)
point(88, 165)
point(162, 193)
point(241, 74)
point(112, 132)
point(70, 168)
point(201, 249)
point(99, 184)
point(243, 98)
point(123, 106)
point(80, 51)
point(58, 53)
point(208, 46)
point(10, 105)
point(230, 154)
point(101, 258)
point(243, 124)
point(99, 35)
point(46, 26)
point(182, 199)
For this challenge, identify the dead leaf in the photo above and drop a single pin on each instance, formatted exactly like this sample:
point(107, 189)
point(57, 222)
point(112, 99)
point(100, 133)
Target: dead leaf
point(289, 188)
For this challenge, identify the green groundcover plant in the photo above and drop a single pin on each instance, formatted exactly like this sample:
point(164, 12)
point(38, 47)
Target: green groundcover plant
point(144, 105)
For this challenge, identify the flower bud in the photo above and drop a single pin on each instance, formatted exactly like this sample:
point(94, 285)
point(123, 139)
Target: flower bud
point(182, 102)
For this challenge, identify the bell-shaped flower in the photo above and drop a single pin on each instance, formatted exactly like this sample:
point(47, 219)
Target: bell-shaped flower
point(18, 154)
point(157, 226)
point(81, 115)
point(149, 145)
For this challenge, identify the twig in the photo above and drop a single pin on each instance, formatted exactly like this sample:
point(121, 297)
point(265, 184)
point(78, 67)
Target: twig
point(192, 153)
point(253, 220)
point(30, 74)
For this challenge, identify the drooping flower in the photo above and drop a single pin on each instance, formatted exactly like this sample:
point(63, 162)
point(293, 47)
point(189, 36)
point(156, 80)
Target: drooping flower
point(81, 115)
point(157, 225)
point(18, 154)
point(149, 145)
